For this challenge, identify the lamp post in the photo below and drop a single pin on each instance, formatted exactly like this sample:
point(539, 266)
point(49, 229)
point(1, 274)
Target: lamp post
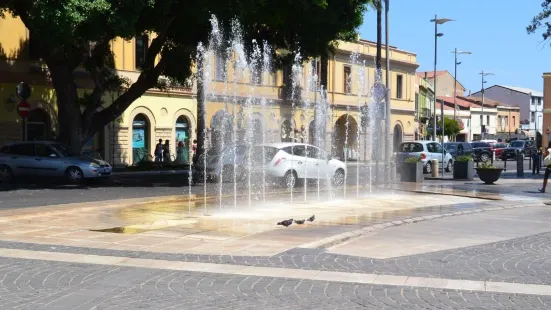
point(456, 52)
point(437, 21)
point(387, 105)
point(482, 127)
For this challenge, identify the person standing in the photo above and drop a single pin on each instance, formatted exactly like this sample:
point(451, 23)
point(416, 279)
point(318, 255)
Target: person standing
point(536, 162)
point(166, 151)
point(180, 153)
point(547, 164)
point(159, 151)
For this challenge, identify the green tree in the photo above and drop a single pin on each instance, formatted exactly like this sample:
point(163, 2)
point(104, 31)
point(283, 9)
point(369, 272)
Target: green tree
point(540, 21)
point(451, 127)
point(76, 34)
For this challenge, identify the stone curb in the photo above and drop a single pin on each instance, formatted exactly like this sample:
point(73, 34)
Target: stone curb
point(153, 172)
point(343, 237)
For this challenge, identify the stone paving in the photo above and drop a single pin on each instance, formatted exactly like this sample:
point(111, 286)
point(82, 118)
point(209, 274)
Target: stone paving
point(35, 284)
point(46, 282)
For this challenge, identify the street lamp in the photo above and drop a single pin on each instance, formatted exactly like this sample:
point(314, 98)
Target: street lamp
point(456, 52)
point(482, 127)
point(437, 21)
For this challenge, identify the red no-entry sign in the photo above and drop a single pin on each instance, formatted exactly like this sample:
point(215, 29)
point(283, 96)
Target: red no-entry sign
point(23, 109)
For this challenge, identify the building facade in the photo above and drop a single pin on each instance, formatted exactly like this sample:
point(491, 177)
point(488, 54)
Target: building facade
point(529, 101)
point(445, 83)
point(172, 114)
point(424, 106)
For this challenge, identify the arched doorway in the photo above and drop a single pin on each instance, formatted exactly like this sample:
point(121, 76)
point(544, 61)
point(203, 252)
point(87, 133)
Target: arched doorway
point(287, 132)
point(182, 134)
point(346, 131)
point(222, 129)
point(312, 133)
point(140, 138)
point(257, 131)
point(397, 137)
point(38, 125)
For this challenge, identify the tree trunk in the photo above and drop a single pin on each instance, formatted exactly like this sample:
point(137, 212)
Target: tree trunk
point(201, 111)
point(379, 7)
point(69, 113)
point(319, 116)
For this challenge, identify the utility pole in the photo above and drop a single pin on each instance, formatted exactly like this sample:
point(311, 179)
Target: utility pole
point(437, 21)
point(483, 127)
point(389, 146)
point(456, 52)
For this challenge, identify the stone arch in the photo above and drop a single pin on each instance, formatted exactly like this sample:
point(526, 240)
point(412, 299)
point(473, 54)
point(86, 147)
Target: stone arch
point(345, 143)
point(397, 135)
point(183, 130)
point(257, 128)
point(40, 104)
point(149, 131)
point(38, 125)
point(221, 126)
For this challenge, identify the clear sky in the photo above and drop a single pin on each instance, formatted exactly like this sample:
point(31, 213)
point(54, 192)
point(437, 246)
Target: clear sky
point(493, 30)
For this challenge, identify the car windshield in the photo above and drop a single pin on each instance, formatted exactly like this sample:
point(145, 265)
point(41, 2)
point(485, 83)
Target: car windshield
point(517, 144)
point(61, 149)
point(450, 147)
point(262, 155)
point(411, 147)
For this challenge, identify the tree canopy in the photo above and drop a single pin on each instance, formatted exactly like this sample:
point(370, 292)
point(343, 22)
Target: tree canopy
point(540, 21)
point(73, 34)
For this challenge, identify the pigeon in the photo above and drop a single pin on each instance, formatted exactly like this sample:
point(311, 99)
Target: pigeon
point(300, 222)
point(286, 223)
point(312, 218)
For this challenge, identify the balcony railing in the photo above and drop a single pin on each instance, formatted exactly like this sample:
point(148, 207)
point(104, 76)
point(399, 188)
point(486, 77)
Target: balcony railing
point(288, 92)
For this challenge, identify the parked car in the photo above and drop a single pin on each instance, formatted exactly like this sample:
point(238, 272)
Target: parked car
point(49, 159)
point(525, 147)
point(223, 162)
point(498, 149)
point(482, 151)
point(427, 151)
point(458, 149)
point(291, 162)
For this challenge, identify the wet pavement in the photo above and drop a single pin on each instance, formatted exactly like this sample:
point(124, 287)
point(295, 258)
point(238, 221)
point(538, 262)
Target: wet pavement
point(434, 245)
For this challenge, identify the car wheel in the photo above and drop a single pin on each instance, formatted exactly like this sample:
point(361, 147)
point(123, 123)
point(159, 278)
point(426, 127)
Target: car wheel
point(290, 179)
point(484, 157)
point(74, 175)
point(6, 175)
point(449, 166)
point(428, 168)
point(339, 178)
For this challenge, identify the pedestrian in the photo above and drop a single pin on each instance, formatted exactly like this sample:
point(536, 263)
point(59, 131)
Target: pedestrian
point(166, 151)
point(547, 164)
point(159, 151)
point(180, 153)
point(536, 162)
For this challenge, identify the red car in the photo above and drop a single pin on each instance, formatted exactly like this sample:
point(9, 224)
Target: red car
point(498, 149)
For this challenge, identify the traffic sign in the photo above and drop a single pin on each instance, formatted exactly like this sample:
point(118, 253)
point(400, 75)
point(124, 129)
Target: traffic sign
point(547, 131)
point(23, 109)
point(23, 91)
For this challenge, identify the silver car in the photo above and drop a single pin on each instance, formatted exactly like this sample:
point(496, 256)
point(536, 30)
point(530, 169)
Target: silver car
point(48, 159)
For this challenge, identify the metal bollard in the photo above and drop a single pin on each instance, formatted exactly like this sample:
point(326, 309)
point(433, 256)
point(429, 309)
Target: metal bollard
point(520, 165)
point(505, 163)
point(530, 162)
point(434, 166)
point(492, 157)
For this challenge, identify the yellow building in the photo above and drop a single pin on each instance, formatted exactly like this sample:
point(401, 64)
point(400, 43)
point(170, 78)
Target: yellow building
point(172, 115)
point(168, 115)
point(274, 120)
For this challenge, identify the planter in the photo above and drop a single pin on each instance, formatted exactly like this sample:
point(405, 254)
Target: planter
point(412, 172)
point(463, 170)
point(488, 176)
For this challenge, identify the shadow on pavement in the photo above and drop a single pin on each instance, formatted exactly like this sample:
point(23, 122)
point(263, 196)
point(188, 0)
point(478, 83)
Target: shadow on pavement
point(178, 180)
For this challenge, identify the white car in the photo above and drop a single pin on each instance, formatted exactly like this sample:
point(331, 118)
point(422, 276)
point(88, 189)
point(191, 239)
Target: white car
point(427, 151)
point(291, 162)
